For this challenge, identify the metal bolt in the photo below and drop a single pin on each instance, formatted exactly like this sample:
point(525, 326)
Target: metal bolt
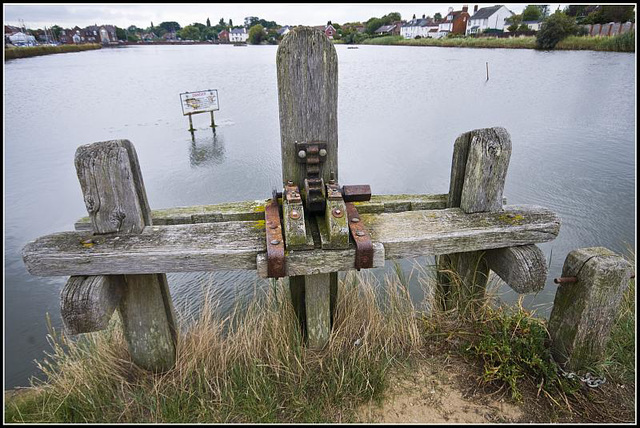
point(565, 280)
point(360, 233)
point(289, 183)
point(355, 220)
point(275, 242)
point(302, 154)
point(323, 152)
point(294, 215)
point(337, 213)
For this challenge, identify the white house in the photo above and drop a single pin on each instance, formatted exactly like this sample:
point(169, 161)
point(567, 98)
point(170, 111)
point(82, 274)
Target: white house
point(284, 30)
point(533, 25)
point(238, 35)
point(488, 18)
point(418, 27)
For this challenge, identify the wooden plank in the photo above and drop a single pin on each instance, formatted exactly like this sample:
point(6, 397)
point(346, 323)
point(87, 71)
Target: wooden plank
point(523, 268)
point(307, 72)
point(320, 261)
point(254, 210)
point(115, 198)
point(317, 298)
point(88, 302)
point(584, 312)
point(235, 245)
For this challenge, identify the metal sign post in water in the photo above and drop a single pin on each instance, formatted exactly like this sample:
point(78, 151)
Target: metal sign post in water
point(199, 102)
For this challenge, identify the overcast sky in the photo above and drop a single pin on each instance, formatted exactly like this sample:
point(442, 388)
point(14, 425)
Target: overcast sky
point(142, 14)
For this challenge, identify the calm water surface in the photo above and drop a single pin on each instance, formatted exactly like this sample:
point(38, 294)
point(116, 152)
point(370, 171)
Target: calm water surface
point(571, 116)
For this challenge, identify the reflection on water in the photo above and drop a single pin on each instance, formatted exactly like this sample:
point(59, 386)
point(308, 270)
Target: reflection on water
point(206, 149)
point(571, 117)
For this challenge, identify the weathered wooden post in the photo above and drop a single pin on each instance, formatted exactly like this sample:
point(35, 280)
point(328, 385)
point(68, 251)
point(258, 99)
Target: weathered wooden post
point(585, 309)
point(478, 172)
point(307, 70)
point(116, 200)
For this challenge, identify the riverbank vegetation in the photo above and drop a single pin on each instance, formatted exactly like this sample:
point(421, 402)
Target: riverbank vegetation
point(620, 43)
point(25, 52)
point(252, 366)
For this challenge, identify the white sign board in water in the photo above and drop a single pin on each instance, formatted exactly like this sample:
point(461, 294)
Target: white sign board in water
point(199, 102)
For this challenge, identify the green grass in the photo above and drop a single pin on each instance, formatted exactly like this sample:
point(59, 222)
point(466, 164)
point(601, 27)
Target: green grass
point(621, 43)
point(12, 53)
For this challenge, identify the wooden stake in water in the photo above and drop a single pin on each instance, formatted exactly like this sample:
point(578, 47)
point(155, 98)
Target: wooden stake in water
point(213, 123)
point(191, 129)
point(487, 71)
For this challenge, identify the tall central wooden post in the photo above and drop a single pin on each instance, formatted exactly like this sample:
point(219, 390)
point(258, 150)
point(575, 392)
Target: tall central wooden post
point(307, 66)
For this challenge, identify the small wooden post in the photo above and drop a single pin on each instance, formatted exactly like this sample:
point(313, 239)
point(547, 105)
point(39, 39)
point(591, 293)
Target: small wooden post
point(487, 71)
point(191, 128)
point(307, 70)
point(114, 194)
point(584, 311)
point(478, 172)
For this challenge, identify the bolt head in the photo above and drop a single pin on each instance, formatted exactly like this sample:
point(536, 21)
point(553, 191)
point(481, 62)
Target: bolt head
point(323, 152)
point(294, 215)
point(302, 154)
point(360, 233)
point(355, 220)
point(275, 242)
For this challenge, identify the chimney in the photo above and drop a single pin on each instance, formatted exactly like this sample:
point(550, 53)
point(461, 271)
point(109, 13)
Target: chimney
point(423, 16)
point(475, 8)
point(465, 8)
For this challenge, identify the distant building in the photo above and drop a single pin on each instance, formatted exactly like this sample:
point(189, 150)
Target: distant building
point(104, 34)
point(423, 27)
point(283, 30)
point(533, 25)
point(454, 23)
point(329, 31)
point(386, 29)
point(223, 36)
point(488, 18)
point(238, 35)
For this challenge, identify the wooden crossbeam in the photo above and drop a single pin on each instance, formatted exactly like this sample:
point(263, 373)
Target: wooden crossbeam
point(236, 244)
point(254, 210)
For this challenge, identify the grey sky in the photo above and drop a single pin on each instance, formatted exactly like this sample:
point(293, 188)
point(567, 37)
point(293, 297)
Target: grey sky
point(142, 14)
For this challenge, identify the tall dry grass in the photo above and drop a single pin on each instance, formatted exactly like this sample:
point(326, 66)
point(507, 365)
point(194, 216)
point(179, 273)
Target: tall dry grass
point(251, 366)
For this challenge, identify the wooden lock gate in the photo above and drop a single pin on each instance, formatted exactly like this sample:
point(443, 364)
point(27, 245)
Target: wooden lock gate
point(117, 256)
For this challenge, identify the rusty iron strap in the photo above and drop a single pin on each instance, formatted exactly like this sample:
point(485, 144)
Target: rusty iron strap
point(275, 243)
point(364, 246)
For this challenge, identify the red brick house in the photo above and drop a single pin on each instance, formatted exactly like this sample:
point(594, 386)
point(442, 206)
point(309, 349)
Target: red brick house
point(223, 36)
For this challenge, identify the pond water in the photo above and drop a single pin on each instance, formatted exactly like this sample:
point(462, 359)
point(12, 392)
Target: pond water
point(571, 116)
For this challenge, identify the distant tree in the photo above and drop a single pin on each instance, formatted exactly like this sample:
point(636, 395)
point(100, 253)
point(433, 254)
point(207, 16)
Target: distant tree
point(230, 22)
point(121, 34)
point(56, 31)
point(272, 37)
point(531, 13)
point(132, 29)
point(208, 23)
point(257, 34)
point(437, 17)
point(190, 32)
point(221, 22)
point(393, 16)
point(544, 10)
point(557, 27)
point(611, 13)
point(170, 26)
point(523, 27)
point(328, 23)
point(414, 16)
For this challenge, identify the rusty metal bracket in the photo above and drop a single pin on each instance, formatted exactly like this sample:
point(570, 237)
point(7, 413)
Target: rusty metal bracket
point(364, 246)
point(275, 242)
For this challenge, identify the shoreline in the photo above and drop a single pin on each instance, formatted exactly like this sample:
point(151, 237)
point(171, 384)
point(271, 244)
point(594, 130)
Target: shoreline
point(27, 52)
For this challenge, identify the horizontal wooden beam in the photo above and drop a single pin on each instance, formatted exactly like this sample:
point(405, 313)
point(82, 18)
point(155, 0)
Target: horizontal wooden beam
point(254, 210)
point(236, 244)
